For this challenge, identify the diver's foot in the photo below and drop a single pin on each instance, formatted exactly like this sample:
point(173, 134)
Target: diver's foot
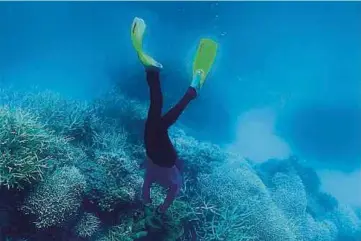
point(196, 81)
point(161, 209)
point(149, 63)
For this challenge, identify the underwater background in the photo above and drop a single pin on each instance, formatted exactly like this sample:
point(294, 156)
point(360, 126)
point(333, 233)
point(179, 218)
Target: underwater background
point(271, 145)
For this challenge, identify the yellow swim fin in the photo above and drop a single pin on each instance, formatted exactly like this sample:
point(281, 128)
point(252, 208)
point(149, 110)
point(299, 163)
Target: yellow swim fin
point(136, 35)
point(203, 61)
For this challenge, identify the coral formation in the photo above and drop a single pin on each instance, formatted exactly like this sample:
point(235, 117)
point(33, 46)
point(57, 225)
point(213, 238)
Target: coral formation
point(65, 153)
point(87, 226)
point(27, 149)
point(56, 200)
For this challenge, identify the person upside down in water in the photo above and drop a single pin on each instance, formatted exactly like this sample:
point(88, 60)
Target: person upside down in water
point(162, 164)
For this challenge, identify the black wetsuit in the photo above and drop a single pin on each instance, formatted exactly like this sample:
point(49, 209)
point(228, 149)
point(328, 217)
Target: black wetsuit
point(158, 145)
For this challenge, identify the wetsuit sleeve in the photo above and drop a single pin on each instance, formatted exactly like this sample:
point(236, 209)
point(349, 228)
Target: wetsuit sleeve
point(171, 195)
point(146, 189)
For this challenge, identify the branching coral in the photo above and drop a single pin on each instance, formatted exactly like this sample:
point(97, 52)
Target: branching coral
point(268, 169)
point(348, 223)
point(87, 226)
point(116, 105)
point(27, 149)
point(289, 195)
point(168, 226)
point(70, 118)
point(237, 185)
point(230, 223)
point(113, 155)
point(57, 199)
point(117, 109)
point(313, 230)
point(122, 232)
point(101, 188)
point(114, 152)
point(116, 233)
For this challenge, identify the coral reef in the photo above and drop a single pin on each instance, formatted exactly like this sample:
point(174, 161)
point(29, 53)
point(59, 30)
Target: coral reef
point(87, 226)
point(58, 199)
point(27, 149)
point(76, 166)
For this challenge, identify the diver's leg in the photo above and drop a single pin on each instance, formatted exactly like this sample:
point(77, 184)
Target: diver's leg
point(153, 121)
point(173, 114)
point(156, 98)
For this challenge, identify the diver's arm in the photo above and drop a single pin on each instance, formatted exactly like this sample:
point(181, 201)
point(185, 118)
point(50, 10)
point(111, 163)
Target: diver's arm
point(146, 189)
point(171, 195)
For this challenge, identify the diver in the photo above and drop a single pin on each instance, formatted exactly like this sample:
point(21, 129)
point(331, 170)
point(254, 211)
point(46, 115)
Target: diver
point(162, 164)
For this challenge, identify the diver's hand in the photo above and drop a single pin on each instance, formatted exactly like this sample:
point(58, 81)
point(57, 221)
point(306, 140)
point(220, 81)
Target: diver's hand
point(162, 208)
point(147, 209)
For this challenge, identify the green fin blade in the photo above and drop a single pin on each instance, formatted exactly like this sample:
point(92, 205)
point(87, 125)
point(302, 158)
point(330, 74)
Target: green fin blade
point(137, 32)
point(205, 56)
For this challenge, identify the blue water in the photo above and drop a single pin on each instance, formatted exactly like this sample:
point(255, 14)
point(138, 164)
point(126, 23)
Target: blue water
point(286, 79)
